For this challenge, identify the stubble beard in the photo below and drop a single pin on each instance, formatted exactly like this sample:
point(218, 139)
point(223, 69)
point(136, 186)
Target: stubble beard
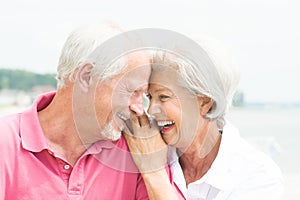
point(109, 133)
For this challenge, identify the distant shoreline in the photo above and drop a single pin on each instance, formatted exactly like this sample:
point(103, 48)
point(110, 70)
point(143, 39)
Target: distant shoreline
point(267, 105)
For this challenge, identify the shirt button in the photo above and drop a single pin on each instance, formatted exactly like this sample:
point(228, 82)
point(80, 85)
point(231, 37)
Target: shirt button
point(66, 167)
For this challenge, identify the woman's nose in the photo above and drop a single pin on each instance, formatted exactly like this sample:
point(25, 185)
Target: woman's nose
point(154, 108)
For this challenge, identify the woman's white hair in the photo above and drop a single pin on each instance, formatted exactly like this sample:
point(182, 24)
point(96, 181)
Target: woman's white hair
point(79, 46)
point(213, 75)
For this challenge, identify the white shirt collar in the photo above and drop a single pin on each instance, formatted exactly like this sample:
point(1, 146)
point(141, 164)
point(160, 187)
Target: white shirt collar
point(217, 176)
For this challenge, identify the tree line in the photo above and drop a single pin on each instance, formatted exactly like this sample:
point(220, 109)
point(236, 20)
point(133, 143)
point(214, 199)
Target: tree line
point(24, 80)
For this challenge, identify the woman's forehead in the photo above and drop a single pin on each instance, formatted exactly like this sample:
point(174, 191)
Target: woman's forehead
point(164, 75)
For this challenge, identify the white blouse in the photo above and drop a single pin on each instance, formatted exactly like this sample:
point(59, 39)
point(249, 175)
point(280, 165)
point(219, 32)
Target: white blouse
point(239, 172)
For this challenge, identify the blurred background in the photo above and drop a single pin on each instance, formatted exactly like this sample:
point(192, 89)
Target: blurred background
point(261, 36)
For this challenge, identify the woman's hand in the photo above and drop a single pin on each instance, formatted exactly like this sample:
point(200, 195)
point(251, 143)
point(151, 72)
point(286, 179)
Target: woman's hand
point(148, 149)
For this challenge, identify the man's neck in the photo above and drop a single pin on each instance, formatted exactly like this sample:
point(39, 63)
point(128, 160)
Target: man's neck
point(59, 129)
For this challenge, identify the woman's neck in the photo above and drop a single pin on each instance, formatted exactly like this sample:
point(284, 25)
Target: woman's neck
point(194, 165)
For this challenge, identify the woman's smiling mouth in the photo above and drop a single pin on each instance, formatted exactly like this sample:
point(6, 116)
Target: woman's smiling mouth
point(165, 125)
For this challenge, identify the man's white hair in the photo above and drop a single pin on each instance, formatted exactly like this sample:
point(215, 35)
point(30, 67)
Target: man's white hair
point(79, 45)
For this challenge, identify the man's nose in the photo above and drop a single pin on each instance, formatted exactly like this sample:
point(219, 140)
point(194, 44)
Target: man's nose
point(136, 104)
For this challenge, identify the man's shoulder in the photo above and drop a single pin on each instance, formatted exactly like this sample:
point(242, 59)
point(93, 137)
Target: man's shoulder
point(9, 128)
point(10, 123)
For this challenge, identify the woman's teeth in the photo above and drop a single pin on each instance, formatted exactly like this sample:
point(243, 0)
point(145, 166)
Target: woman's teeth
point(165, 123)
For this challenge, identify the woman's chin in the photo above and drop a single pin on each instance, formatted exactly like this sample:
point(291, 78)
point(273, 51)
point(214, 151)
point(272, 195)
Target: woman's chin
point(170, 138)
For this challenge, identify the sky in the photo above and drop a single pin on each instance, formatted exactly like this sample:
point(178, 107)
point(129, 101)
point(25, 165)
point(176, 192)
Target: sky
point(262, 36)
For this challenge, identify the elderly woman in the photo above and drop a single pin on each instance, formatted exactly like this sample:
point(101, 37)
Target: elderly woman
point(208, 158)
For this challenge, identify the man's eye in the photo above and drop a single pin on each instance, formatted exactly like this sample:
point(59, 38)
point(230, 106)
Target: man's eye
point(136, 93)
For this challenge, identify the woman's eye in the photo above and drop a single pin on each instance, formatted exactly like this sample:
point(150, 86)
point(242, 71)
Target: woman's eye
point(148, 95)
point(163, 97)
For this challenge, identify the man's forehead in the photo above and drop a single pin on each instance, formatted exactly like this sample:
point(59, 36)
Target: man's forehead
point(136, 77)
point(137, 81)
point(137, 59)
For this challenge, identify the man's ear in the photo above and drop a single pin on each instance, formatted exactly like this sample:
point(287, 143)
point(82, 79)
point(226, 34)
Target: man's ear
point(205, 103)
point(84, 76)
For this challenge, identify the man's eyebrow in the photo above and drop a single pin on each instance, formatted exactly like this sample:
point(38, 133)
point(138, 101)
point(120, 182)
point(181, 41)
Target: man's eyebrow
point(141, 87)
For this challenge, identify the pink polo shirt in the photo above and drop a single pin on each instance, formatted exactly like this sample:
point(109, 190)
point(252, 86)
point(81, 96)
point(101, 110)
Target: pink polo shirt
point(31, 170)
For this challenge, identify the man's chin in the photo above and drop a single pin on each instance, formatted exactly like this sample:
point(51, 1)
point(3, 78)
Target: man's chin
point(115, 135)
point(110, 132)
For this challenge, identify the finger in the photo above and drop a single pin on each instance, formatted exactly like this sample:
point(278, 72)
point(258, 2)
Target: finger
point(144, 121)
point(137, 129)
point(134, 119)
point(128, 129)
point(153, 124)
point(130, 141)
point(128, 124)
point(128, 137)
point(139, 121)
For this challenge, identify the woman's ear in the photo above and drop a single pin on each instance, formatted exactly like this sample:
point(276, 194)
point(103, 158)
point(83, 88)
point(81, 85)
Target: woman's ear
point(84, 76)
point(205, 103)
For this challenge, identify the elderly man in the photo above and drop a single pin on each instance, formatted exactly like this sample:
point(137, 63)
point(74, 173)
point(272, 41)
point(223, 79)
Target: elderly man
point(68, 145)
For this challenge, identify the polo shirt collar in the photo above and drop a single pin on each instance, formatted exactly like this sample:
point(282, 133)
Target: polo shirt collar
point(31, 132)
